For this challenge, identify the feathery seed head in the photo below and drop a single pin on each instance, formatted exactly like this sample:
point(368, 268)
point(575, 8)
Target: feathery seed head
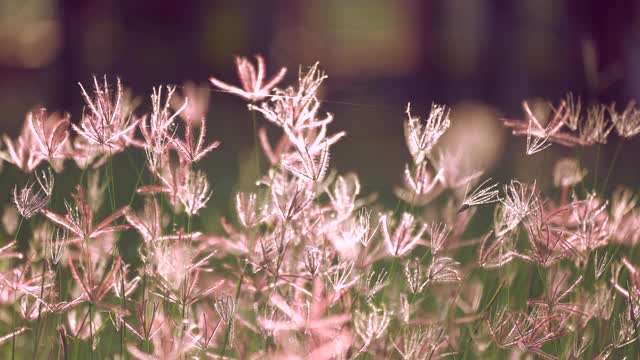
point(194, 191)
point(225, 306)
point(406, 236)
point(29, 200)
point(421, 138)
point(254, 85)
point(480, 196)
point(373, 325)
point(312, 259)
point(627, 123)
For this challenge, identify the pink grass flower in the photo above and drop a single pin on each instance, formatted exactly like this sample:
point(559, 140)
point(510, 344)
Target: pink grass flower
point(307, 165)
point(405, 237)
point(296, 109)
point(204, 331)
point(540, 135)
point(79, 218)
point(197, 105)
point(184, 185)
point(23, 152)
point(528, 332)
point(194, 191)
point(192, 150)
point(29, 200)
point(148, 322)
point(109, 122)
point(420, 184)
point(147, 222)
point(421, 138)
point(557, 291)
point(93, 288)
point(158, 128)
point(19, 281)
point(248, 211)
point(177, 267)
point(51, 134)
point(254, 85)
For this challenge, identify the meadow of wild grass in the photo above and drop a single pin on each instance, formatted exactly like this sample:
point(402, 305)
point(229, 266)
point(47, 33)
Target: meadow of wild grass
point(104, 253)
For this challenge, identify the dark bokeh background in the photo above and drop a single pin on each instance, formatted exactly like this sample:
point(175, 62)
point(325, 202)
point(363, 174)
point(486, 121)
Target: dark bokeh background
point(481, 57)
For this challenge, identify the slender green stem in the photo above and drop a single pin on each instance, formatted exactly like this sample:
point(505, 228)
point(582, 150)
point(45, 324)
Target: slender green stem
point(184, 303)
point(493, 298)
point(256, 141)
point(15, 301)
point(597, 167)
point(611, 164)
point(226, 339)
point(91, 329)
point(239, 286)
point(124, 305)
point(13, 338)
point(237, 296)
point(112, 187)
point(37, 332)
point(392, 273)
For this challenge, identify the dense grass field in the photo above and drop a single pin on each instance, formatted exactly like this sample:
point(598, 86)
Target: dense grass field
point(108, 251)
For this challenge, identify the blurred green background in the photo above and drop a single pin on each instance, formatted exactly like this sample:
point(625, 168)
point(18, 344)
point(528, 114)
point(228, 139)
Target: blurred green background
point(481, 57)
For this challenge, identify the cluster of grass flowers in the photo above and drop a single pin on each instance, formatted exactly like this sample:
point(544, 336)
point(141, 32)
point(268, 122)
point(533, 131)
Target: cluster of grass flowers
point(308, 267)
